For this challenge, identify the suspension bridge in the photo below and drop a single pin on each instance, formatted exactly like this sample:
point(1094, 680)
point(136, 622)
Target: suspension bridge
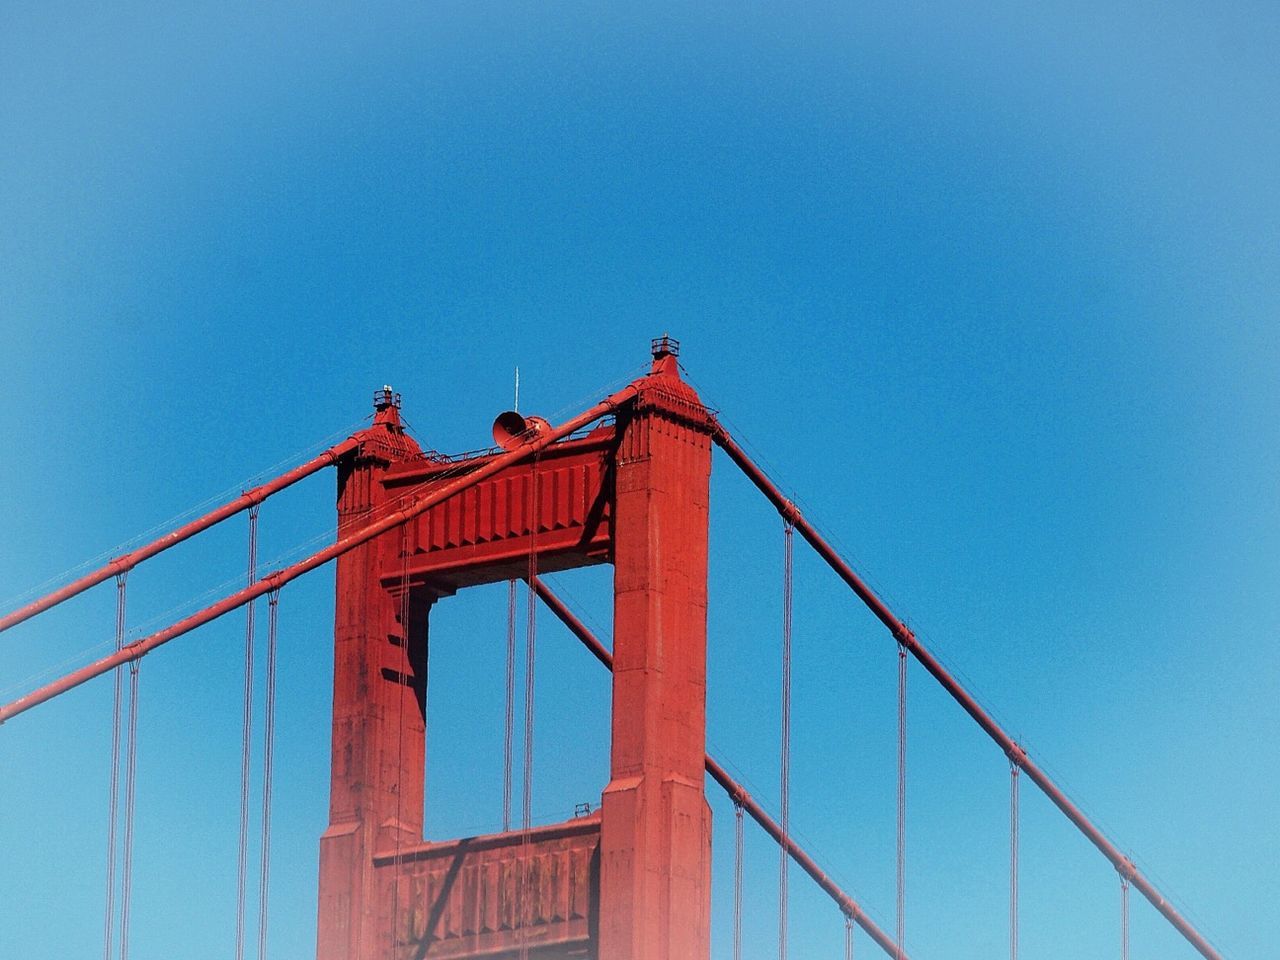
point(624, 482)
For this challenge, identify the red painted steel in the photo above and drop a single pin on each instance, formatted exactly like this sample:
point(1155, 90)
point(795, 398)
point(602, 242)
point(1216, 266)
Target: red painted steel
point(128, 561)
point(1124, 866)
point(482, 534)
point(468, 897)
point(379, 690)
point(635, 493)
point(344, 544)
point(735, 790)
point(655, 838)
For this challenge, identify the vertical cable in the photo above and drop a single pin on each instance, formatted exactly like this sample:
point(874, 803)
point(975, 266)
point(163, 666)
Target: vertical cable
point(902, 799)
point(509, 728)
point(246, 740)
point(268, 758)
point(113, 807)
point(848, 937)
point(130, 780)
point(1124, 917)
point(783, 858)
point(1013, 860)
point(530, 651)
point(737, 880)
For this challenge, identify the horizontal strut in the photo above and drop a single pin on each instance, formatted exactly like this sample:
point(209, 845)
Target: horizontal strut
point(736, 791)
point(1123, 865)
point(532, 443)
point(128, 561)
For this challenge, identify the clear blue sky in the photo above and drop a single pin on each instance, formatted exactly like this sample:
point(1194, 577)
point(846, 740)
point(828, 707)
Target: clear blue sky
point(992, 286)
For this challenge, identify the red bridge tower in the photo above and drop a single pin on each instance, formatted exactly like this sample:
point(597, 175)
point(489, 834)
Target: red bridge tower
point(630, 882)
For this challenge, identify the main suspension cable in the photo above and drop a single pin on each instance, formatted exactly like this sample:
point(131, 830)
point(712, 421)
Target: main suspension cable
point(113, 808)
point(418, 505)
point(268, 759)
point(784, 858)
point(246, 739)
point(128, 561)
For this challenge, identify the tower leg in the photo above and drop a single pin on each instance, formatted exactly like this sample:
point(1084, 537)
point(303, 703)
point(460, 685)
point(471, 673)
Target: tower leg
point(378, 746)
point(656, 825)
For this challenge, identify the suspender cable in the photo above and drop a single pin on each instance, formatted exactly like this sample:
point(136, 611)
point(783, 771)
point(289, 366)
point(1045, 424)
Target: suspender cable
point(246, 740)
point(530, 657)
point(1013, 861)
point(848, 937)
point(113, 808)
point(848, 906)
point(530, 651)
point(130, 780)
point(906, 638)
point(902, 797)
point(737, 880)
point(1124, 918)
point(509, 727)
point(785, 776)
point(268, 758)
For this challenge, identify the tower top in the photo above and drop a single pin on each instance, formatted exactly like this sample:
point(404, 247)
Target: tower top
point(664, 346)
point(386, 407)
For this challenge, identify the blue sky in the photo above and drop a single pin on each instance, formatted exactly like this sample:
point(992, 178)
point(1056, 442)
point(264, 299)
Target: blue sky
point(991, 287)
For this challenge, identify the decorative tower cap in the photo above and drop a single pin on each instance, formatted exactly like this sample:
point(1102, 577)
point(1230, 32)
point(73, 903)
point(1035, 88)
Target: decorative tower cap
point(386, 407)
point(664, 346)
point(385, 398)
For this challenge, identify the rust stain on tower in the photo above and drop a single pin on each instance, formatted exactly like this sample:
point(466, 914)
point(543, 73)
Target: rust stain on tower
point(630, 882)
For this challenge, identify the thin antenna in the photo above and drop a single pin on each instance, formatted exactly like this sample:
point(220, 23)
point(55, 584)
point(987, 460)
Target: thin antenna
point(516, 408)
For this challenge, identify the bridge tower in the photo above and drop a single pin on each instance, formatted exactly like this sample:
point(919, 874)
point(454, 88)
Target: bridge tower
point(628, 882)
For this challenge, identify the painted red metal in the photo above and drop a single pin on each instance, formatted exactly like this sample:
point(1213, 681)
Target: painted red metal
point(655, 835)
point(634, 492)
point(128, 561)
point(482, 534)
point(378, 737)
point(473, 897)
point(1124, 866)
point(736, 791)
